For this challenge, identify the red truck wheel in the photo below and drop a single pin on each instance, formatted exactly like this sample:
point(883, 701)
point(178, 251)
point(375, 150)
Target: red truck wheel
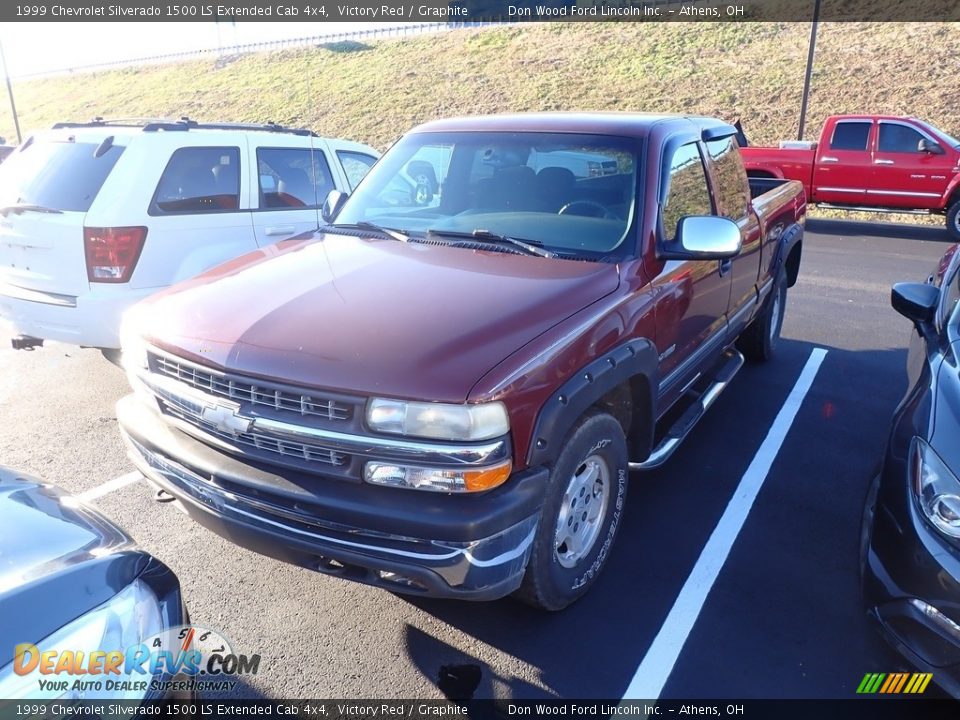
point(953, 221)
point(759, 341)
point(581, 515)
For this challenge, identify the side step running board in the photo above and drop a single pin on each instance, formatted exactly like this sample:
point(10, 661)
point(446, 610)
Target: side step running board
point(678, 432)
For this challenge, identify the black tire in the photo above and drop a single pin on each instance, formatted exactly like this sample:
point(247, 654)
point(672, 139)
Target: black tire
point(759, 341)
point(556, 575)
point(866, 526)
point(953, 221)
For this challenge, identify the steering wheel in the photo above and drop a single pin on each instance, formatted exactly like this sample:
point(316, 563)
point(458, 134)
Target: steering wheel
point(593, 209)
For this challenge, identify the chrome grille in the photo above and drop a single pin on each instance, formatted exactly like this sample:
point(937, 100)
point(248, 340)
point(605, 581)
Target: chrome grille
point(264, 443)
point(246, 390)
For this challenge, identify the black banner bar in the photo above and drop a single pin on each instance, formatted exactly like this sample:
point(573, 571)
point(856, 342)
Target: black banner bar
point(875, 708)
point(478, 11)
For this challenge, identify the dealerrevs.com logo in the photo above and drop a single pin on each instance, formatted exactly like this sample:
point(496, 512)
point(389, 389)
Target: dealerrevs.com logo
point(178, 659)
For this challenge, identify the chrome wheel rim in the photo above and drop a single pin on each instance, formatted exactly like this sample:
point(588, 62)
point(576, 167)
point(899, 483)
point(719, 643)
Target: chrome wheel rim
point(775, 317)
point(956, 223)
point(582, 510)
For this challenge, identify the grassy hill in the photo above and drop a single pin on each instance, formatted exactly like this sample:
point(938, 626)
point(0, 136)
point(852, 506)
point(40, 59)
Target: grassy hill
point(375, 91)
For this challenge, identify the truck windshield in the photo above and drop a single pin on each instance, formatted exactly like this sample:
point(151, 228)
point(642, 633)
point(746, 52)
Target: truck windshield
point(575, 195)
point(949, 139)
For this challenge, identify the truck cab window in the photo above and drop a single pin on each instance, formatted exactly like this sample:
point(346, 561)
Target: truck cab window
point(733, 192)
point(688, 192)
point(896, 138)
point(850, 136)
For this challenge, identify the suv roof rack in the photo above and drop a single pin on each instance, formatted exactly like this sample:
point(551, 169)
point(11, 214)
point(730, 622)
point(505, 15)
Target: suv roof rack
point(183, 124)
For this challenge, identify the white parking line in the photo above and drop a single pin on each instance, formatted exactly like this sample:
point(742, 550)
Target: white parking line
point(655, 669)
point(109, 486)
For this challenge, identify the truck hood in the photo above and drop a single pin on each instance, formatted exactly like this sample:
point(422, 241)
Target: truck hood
point(370, 316)
point(44, 531)
point(59, 558)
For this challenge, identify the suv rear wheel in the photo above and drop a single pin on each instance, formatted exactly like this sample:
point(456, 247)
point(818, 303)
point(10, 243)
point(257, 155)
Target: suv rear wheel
point(581, 515)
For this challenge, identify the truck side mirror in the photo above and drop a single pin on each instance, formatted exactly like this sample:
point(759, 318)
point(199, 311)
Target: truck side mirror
point(333, 203)
point(704, 237)
point(916, 302)
point(925, 146)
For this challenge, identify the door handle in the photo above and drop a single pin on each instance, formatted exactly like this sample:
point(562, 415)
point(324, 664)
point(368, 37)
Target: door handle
point(279, 230)
point(827, 158)
point(725, 266)
point(883, 162)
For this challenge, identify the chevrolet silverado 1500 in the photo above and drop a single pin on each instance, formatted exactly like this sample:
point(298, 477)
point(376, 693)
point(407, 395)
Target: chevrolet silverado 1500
point(444, 393)
point(878, 163)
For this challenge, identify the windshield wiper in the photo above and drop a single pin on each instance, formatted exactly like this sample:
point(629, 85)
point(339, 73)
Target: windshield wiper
point(17, 209)
point(364, 225)
point(531, 247)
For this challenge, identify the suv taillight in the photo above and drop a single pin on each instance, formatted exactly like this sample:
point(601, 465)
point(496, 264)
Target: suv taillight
point(112, 252)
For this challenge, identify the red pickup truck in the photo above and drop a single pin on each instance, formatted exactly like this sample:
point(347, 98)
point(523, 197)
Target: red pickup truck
point(443, 393)
point(879, 163)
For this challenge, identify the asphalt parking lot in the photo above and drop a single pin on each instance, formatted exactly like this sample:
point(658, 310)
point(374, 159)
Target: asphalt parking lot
point(782, 619)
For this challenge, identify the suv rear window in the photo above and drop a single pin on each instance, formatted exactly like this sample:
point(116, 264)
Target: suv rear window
point(199, 180)
point(57, 175)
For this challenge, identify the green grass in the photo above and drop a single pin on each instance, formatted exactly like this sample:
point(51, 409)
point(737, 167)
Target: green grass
point(375, 91)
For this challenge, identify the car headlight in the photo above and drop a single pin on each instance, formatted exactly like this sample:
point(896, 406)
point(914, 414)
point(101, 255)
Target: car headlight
point(438, 421)
point(132, 345)
point(937, 489)
point(124, 621)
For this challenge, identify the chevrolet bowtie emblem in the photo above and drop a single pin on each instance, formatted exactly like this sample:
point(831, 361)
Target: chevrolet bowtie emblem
point(226, 418)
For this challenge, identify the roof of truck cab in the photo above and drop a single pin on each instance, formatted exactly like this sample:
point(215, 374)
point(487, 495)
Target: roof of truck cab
point(627, 124)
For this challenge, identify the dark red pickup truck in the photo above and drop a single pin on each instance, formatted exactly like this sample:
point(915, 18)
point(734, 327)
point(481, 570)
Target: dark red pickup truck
point(443, 392)
point(879, 163)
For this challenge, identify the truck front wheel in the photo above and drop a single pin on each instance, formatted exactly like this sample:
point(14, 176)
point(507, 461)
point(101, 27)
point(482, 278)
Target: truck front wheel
point(953, 221)
point(581, 515)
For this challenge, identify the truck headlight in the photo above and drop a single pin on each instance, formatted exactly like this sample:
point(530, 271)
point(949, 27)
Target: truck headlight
point(438, 421)
point(937, 488)
point(126, 620)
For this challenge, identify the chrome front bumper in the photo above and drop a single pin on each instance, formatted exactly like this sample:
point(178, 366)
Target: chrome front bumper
point(445, 546)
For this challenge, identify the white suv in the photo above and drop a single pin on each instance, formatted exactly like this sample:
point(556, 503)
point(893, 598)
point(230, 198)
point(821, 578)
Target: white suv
point(96, 216)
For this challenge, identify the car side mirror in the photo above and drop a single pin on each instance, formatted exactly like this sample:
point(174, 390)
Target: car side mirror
point(916, 302)
point(333, 203)
point(704, 237)
point(925, 146)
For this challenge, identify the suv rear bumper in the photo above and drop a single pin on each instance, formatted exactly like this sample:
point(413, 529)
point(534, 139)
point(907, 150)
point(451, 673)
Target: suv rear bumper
point(408, 541)
point(91, 319)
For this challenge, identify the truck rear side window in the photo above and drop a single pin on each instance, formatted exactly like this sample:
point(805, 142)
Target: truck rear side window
point(57, 175)
point(733, 191)
point(199, 180)
point(850, 136)
point(688, 193)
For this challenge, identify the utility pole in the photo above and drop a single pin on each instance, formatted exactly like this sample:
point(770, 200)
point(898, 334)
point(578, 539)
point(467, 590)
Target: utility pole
point(13, 107)
point(806, 79)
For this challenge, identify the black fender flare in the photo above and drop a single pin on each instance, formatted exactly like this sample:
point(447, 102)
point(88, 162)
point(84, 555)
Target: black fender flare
point(636, 358)
point(785, 244)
